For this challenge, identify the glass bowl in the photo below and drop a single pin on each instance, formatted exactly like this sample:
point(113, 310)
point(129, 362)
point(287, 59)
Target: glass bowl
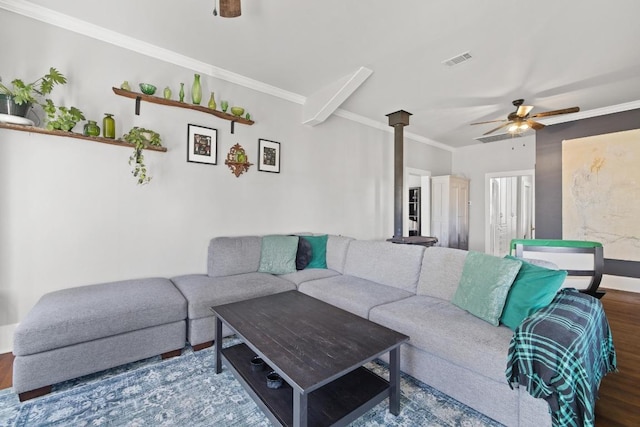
point(147, 89)
point(237, 111)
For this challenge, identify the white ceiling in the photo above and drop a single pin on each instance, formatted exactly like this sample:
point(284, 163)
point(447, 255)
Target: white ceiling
point(554, 54)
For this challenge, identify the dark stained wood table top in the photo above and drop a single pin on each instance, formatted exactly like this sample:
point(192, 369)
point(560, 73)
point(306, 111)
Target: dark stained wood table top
point(310, 341)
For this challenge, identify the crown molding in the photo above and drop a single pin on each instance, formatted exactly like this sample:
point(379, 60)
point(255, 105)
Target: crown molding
point(386, 128)
point(76, 25)
point(580, 115)
point(79, 26)
point(96, 32)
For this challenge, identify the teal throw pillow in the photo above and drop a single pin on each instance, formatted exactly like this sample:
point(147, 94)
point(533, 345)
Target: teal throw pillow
point(318, 251)
point(533, 289)
point(484, 285)
point(278, 254)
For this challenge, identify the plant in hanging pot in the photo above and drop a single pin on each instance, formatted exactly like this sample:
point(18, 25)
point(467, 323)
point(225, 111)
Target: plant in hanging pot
point(16, 101)
point(141, 138)
point(62, 118)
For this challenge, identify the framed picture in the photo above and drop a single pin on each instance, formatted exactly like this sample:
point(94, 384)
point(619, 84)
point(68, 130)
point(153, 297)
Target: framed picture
point(202, 145)
point(268, 156)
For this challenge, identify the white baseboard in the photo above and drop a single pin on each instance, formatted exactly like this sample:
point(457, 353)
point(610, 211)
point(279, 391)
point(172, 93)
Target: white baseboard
point(6, 338)
point(620, 283)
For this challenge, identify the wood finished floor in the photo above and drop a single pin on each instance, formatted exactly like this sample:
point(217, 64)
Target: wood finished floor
point(619, 403)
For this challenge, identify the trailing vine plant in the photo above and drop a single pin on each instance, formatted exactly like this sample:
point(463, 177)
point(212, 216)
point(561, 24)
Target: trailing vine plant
point(141, 138)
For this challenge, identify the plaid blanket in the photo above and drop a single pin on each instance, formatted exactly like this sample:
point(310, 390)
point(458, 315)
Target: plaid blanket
point(560, 354)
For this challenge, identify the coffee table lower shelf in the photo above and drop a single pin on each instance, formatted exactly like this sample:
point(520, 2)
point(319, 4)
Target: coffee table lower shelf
point(335, 404)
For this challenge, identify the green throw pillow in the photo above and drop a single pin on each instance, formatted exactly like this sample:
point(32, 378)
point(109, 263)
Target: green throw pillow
point(318, 251)
point(278, 254)
point(484, 285)
point(533, 289)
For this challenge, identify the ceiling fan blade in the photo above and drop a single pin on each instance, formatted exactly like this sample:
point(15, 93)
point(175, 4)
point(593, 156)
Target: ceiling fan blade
point(498, 128)
point(535, 125)
point(556, 112)
point(523, 110)
point(490, 121)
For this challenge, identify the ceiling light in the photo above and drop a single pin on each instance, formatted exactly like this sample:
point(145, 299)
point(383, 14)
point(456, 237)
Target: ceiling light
point(230, 8)
point(518, 127)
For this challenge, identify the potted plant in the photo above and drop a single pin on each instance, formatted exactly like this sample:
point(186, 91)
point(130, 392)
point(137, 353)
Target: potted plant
point(141, 138)
point(62, 118)
point(16, 101)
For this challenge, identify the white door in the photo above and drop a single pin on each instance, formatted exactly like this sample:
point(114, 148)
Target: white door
point(510, 207)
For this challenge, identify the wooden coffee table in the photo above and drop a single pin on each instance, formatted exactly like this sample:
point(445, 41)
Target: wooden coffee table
point(318, 350)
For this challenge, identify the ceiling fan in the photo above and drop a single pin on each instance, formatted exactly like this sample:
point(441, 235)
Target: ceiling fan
point(520, 120)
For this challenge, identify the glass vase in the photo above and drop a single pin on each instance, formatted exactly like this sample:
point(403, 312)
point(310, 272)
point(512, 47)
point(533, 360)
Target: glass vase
point(181, 94)
point(196, 90)
point(212, 102)
point(91, 128)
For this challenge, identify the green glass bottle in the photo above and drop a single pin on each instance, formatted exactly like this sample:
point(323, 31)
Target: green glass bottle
point(196, 90)
point(167, 92)
point(212, 102)
point(181, 93)
point(109, 126)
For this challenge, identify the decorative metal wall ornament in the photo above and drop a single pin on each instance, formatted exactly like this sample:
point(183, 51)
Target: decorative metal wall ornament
point(237, 160)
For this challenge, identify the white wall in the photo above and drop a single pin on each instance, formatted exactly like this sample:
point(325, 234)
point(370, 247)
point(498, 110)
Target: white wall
point(71, 213)
point(475, 161)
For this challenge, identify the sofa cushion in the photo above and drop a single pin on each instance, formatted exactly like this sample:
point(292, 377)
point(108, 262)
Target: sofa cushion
point(75, 315)
point(534, 288)
point(308, 274)
point(318, 250)
point(278, 254)
point(233, 255)
point(385, 263)
point(441, 272)
point(337, 252)
point(484, 285)
point(303, 256)
point(203, 292)
point(352, 294)
point(438, 327)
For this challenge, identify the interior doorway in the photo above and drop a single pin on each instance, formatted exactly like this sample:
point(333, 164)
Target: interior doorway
point(416, 202)
point(509, 209)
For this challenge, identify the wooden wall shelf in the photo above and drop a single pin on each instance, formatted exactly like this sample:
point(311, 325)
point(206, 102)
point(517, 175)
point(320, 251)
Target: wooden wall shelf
point(32, 129)
point(158, 100)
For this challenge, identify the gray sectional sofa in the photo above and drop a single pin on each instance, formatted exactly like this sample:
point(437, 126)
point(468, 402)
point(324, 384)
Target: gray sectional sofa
point(405, 287)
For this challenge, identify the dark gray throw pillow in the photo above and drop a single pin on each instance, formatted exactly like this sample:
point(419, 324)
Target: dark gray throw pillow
point(303, 256)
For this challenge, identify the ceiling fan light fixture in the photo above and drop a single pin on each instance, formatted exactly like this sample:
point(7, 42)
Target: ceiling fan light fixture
point(518, 127)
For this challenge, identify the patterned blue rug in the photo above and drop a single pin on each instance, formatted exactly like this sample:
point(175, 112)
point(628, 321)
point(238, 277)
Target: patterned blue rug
point(185, 391)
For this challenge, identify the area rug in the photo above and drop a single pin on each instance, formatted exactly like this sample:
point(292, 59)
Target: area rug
point(185, 391)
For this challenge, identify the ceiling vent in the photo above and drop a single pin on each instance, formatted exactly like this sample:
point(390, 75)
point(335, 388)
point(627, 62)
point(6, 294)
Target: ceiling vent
point(458, 59)
point(498, 137)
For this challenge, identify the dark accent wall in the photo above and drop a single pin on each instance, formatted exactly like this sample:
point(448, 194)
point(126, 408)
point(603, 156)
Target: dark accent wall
point(549, 175)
